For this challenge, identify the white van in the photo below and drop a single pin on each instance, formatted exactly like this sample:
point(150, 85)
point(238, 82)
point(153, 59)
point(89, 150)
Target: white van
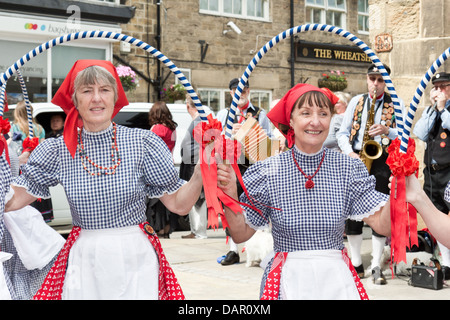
point(134, 115)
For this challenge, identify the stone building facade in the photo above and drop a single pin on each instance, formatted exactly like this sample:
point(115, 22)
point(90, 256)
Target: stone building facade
point(414, 32)
point(420, 33)
point(200, 43)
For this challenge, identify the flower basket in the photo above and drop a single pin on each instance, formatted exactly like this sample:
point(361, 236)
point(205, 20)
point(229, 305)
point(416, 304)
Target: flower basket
point(174, 93)
point(335, 81)
point(333, 85)
point(127, 77)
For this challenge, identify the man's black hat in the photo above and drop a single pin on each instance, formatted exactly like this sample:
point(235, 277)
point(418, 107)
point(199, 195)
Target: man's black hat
point(234, 84)
point(373, 69)
point(440, 77)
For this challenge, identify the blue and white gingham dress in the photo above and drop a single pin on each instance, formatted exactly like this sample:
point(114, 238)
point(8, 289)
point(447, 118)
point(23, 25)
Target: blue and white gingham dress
point(21, 282)
point(106, 201)
point(447, 192)
point(311, 219)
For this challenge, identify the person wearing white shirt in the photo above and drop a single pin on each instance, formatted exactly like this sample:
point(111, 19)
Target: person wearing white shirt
point(350, 139)
point(245, 109)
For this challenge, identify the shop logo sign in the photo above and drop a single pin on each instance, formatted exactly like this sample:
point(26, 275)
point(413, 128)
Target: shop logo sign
point(35, 26)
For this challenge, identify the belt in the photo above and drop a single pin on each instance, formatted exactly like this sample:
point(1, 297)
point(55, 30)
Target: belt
point(437, 167)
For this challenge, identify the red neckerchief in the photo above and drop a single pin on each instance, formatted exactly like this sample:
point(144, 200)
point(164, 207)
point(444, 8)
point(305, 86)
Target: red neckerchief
point(242, 116)
point(378, 97)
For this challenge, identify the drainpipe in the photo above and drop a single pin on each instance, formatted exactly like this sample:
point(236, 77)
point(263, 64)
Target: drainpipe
point(292, 46)
point(158, 47)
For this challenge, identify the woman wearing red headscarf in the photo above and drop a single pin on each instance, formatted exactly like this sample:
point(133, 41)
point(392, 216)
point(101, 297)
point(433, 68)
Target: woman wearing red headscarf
point(107, 171)
point(306, 194)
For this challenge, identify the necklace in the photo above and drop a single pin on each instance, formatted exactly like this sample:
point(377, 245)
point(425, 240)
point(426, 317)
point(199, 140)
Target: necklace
point(114, 155)
point(309, 184)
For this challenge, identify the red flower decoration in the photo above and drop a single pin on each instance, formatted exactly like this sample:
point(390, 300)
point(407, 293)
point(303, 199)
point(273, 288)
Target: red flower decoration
point(402, 164)
point(5, 126)
point(30, 144)
point(207, 132)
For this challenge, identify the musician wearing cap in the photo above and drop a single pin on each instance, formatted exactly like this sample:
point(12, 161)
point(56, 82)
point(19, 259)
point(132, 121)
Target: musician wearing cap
point(367, 129)
point(306, 194)
point(107, 172)
point(433, 127)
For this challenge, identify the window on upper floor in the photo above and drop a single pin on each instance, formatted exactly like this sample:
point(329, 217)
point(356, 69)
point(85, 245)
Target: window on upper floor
point(246, 9)
point(110, 1)
point(332, 12)
point(363, 16)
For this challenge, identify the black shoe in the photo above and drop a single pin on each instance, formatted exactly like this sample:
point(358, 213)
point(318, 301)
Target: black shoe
point(378, 277)
point(446, 272)
point(360, 271)
point(231, 258)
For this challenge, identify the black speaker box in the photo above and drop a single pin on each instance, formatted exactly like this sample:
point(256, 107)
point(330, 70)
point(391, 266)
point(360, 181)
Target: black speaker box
point(430, 277)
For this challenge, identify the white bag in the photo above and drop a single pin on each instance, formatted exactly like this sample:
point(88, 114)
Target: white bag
point(36, 242)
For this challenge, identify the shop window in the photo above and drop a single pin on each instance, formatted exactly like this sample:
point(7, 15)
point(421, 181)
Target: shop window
point(246, 9)
point(41, 81)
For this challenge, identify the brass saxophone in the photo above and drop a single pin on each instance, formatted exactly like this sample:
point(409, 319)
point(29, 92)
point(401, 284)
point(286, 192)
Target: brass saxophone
point(370, 150)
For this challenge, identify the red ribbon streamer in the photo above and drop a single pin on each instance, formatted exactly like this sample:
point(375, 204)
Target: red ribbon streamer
point(5, 126)
point(207, 133)
point(403, 214)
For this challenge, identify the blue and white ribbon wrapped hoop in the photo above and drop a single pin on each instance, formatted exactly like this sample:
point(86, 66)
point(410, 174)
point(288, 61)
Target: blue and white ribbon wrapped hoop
point(27, 104)
point(313, 27)
point(114, 36)
point(2, 98)
point(416, 99)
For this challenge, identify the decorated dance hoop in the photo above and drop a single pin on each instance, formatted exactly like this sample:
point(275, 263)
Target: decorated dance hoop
point(26, 99)
point(14, 68)
point(416, 99)
point(314, 27)
point(2, 98)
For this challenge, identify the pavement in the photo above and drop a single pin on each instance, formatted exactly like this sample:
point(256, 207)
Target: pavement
point(194, 262)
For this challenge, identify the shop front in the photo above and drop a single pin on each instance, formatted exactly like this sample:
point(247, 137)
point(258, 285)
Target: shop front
point(43, 74)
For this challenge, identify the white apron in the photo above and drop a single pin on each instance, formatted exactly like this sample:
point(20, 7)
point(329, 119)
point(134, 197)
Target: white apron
point(112, 264)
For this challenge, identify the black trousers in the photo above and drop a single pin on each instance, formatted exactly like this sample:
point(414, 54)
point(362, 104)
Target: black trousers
point(435, 182)
point(382, 173)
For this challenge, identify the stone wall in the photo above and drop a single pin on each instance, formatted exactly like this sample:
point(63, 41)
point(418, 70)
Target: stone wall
point(420, 31)
point(229, 54)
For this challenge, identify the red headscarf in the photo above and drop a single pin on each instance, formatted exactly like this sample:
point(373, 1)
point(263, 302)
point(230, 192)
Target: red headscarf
point(281, 112)
point(63, 98)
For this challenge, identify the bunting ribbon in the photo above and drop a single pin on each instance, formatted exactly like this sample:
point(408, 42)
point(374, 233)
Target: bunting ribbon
point(403, 214)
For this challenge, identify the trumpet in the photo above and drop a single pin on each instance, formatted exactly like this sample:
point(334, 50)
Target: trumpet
point(370, 150)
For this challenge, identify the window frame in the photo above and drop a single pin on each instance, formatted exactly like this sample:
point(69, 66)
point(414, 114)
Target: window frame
point(244, 15)
point(117, 2)
point(365, 14)
point(323, 13)
point(223, 98)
